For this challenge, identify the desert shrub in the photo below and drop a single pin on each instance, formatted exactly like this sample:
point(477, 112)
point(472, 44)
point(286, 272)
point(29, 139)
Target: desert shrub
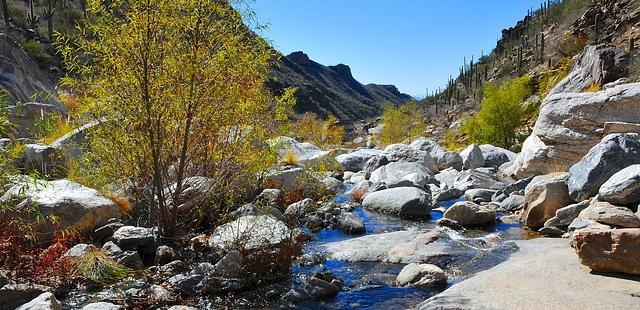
point(401, 123)
point(454, 139)
point(309, 128)
point(593, 88)
point(551, 77)
point(501, 113)
point(571, 45)
point(180, 102)
point(290, 159)
point(35, 50)
point(27, 254)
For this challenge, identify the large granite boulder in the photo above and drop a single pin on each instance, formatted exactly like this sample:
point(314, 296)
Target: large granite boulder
point(606, 213)
point(75, 205)
point(397, 171)
point(401, 201)
point(623, 187)
point(477, 178)
point(443, 158)
point(472, 157)
point(569, 124)
point(467, 213)
point(405, 153)
point(616, 250)
point(598, 64)
point(400, 247)
point(614, 153)
point(543, 199)
point(496, 156)
point(355, 161)
point(304, 152)
point(250, 232)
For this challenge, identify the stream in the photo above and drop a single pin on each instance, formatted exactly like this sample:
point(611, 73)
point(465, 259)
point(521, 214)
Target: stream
point(370, 285)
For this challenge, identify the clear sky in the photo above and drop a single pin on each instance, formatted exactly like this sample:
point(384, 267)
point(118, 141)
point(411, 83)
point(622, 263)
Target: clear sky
point(414, 44)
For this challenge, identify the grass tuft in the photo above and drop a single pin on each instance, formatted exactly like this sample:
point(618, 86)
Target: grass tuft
point(98, 268)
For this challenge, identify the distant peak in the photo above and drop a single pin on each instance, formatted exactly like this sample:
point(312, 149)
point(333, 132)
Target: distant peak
point(299, 57)
point(342, 70)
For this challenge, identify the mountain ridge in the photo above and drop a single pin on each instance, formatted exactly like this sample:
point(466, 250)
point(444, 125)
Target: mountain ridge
point(331, 90)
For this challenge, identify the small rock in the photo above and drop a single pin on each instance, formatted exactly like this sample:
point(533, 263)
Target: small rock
point(513, 203)
point(130, 259)
point(564, 216)
point(402, 201)
point(198, 243)
point(230, 266)
point(78, 250)
point(479, 195)
point(421, 275)
point(187, 285)
point(45, 301)
point(300, 209)
point(165, 255)
point(137, 238)
point(318, 288)
point(551, 231)
point(351, 223)
point(101, 306)
point(270, 197)
point(470, 214)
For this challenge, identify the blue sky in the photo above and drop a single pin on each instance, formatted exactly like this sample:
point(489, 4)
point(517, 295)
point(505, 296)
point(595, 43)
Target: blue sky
point(414, 44)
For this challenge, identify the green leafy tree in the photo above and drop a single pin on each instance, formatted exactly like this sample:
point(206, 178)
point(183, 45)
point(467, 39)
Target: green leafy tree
point(179, 88)
point(501, 113)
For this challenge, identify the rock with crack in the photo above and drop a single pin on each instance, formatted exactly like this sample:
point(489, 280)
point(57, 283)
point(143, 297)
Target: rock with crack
point(570, 124)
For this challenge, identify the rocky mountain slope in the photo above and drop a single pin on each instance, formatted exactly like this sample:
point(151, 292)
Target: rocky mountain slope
point(545, 44)
point(327, 90)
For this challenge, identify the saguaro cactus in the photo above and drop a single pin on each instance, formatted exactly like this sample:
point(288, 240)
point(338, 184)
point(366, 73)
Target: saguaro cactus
point(32, 18)
point(541, 47)
point(48, 13)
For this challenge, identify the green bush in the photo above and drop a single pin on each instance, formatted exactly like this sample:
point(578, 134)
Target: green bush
point(501, 113)
point(35, 50)
point(401, 123)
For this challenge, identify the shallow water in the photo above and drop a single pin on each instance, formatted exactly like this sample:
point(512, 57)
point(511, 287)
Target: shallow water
point(371, 285)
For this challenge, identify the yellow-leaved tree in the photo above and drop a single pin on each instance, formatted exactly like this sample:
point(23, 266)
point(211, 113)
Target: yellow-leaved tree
point(310, 128)
point(401, 123)
point(178, 86)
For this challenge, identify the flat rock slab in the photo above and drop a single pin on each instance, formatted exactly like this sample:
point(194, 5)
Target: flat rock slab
point(544, 274)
